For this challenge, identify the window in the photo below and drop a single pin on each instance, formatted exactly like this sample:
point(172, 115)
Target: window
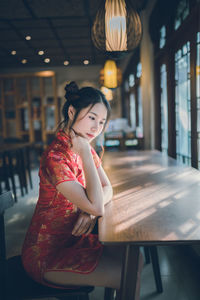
point(198, 95)
point(181, 13)
point(162, 36)
point(139, 129)
point(183, 104)
point(139, 70)
point(164, 109)
point(131, 80)
point(133, 111)
point(133, 106)
point(177, 79)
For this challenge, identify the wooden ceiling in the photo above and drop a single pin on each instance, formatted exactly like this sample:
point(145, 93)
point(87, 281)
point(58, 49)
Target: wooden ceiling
point(60, 28)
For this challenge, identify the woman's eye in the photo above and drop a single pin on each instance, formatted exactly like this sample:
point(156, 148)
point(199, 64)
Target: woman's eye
point(92, 118)
point(102, 123)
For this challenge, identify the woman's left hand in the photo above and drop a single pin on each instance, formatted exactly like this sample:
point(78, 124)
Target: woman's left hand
point(84, 224)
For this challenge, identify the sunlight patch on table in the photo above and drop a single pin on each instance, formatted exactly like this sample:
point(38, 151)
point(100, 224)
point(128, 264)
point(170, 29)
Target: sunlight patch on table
point(181, 194)
point(165, 203)
point(131, 221)
point(187, 226)
point(198, 215)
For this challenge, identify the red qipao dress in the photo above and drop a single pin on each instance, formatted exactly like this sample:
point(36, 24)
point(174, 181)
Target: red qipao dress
point(49, 244)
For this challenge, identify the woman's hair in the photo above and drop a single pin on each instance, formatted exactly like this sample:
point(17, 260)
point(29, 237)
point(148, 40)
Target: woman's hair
point(80, 99)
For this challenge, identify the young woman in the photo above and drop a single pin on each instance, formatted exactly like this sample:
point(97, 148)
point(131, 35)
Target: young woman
point(59, 249)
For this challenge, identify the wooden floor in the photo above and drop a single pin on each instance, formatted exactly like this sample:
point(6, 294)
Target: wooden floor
point(180, 272)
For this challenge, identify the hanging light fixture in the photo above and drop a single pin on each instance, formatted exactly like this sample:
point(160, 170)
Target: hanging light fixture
point(117, 28)
point(110, 75)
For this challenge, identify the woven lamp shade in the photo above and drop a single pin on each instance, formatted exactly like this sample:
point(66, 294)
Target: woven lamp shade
point(110, 75)
point(117, 28)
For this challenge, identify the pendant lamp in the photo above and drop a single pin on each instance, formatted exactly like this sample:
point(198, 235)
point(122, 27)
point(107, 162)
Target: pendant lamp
point(110, 75)
point(117, 28)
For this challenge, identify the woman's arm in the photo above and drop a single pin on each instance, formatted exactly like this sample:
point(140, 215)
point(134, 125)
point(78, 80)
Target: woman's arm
point(90, 199)
point(106, 185)
point(86, 222)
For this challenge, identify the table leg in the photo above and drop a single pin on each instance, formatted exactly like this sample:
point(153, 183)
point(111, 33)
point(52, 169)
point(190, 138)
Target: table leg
point(128, 288)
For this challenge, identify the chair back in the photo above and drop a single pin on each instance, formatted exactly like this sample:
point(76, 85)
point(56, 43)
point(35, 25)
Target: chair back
point(13, 140)
point(6, 201)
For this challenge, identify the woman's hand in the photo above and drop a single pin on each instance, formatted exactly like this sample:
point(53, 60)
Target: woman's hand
point(84, 224)
point(80, 144)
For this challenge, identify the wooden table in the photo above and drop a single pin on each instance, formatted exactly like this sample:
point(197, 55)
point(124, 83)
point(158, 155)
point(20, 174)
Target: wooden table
point(156, 202)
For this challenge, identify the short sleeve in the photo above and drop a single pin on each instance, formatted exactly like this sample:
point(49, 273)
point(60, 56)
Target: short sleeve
point(58, 168)
point(96, 158)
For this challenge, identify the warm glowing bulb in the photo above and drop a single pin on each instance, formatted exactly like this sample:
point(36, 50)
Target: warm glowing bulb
point(45, 73)
point(13, 52)
point(66, 62)
point(86, 62)
point(47, 60)
point(24, 61)
point(28, 37)
point(41, 52)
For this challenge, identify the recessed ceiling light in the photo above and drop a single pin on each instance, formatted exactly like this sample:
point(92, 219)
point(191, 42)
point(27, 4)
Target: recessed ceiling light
point(86, 62)
point(13, 52)
point(28, 37)
point(41, 52)
point(47, 60)
point(66, 62)
point(24, 61)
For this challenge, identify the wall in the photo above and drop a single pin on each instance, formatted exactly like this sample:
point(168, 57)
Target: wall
point(147, 80)
point(83, 75)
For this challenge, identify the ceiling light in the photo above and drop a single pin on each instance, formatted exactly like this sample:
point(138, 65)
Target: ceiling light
point(41, 52)
point(24, 61)
point(28, 37)
point(66, 62)
point(86, 62)
point(13, 52)
point(47, 60)
point(45, 73)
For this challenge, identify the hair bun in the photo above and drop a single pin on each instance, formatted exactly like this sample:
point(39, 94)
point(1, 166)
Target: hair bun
point(71, 91)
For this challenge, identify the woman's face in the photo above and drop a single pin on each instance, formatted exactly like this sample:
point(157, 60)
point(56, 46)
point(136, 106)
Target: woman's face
point(90, 121)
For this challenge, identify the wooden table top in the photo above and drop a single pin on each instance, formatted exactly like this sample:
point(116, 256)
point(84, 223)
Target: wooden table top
point(156, 200)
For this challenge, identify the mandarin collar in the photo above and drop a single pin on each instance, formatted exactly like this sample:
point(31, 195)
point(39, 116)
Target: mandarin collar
point(64, 138)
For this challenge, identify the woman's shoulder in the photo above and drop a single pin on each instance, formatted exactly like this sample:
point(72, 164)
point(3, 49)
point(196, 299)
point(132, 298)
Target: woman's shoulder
point(58, 153)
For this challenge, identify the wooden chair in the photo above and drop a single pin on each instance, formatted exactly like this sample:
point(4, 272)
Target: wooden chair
point(24, 154)
point(7, 173)
point(15, 283)
point(14, 167)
